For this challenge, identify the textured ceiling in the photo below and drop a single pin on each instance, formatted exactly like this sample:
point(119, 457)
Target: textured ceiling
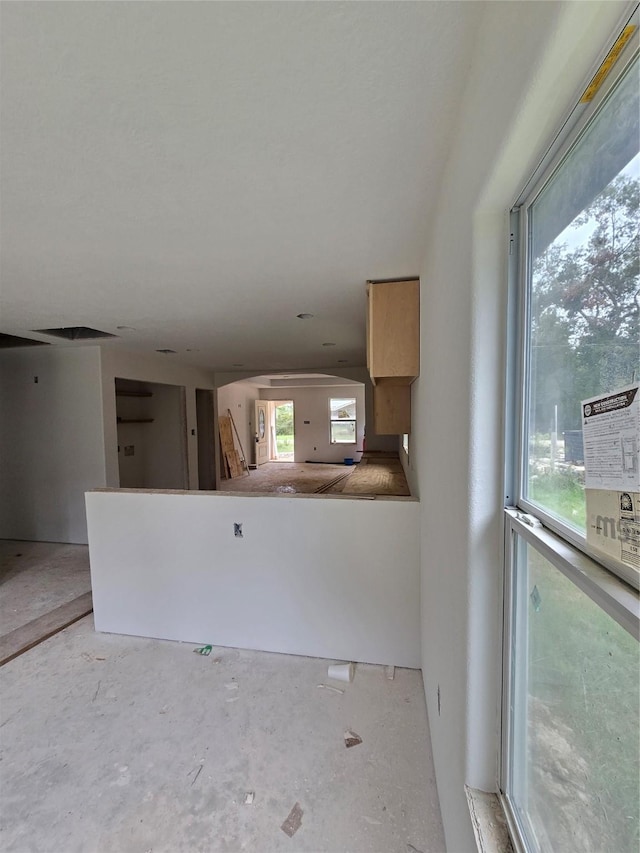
point(203, 172)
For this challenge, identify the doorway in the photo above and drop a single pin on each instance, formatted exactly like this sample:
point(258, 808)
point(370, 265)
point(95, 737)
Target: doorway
point(282, 430)
point(206, 440)
point(152, 435)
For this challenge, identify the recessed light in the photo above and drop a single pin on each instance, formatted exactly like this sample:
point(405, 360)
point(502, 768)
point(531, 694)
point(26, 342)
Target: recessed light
point(125, 328)
point(304, 316)
point(328, 345)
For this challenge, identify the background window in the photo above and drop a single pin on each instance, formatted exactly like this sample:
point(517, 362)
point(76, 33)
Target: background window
point(342, 414)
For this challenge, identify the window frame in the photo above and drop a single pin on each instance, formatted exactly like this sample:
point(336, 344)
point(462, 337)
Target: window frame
point(518, 366)
point(609, 584)
point(353, 421)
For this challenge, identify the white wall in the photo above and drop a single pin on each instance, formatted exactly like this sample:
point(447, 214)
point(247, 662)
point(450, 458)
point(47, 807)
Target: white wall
point(152, 367)
point(346, 586)
point(239, 398)
point(312, 440)
point(51, 441)
point(530, 62)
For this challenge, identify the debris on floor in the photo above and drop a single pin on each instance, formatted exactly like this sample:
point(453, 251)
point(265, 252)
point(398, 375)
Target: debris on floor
point(249, 798)
point(390, 672)
point(193, 781)
point(351, 739)
point(332, 689)
point(341, 671)
point(412, 849)
point(204, 650)
point(233, 687)
point(292, 823)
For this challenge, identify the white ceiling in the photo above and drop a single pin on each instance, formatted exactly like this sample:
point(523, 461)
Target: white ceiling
point(203, 172)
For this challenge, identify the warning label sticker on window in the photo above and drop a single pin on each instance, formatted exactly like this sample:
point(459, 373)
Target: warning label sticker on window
point(611, 433)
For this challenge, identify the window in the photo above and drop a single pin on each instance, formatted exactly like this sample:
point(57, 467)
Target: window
point(572, 712)
point(584, 316)
point(571, 695)
point(405, 443)
point(342, 419)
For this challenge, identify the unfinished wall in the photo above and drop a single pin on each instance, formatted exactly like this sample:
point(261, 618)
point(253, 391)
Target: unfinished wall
point(150, 367)
point(329, 577)
point(239, 398)
point(529, 63)
point(312, 440)
point(51, 441)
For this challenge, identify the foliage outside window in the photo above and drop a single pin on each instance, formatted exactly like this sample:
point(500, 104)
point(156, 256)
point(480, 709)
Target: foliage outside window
point(342, 418)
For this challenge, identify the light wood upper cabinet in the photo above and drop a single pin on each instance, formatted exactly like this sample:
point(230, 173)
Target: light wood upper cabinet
point(393, 331)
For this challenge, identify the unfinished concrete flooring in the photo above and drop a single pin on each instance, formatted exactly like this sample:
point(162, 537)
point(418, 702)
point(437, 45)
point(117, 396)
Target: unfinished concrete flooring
point(114, 744)
point(37, 577)
point(44, 587)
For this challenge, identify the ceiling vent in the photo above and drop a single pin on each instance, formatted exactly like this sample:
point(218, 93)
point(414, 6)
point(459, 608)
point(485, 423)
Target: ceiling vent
point(75, 333)
point(7, 341)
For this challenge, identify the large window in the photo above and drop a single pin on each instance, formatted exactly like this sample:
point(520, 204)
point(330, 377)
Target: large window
point(584, 311)
point(342, 420)
point(570, 768)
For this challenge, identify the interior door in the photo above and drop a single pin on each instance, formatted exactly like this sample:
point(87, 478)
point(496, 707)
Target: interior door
point(262, 431)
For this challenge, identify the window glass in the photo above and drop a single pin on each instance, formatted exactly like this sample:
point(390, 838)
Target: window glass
point(342, 414)
point(574, 755)
point(584, 303)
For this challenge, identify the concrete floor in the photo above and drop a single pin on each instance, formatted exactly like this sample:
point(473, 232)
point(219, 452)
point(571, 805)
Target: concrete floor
point(37, 577)
point(113, 744)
